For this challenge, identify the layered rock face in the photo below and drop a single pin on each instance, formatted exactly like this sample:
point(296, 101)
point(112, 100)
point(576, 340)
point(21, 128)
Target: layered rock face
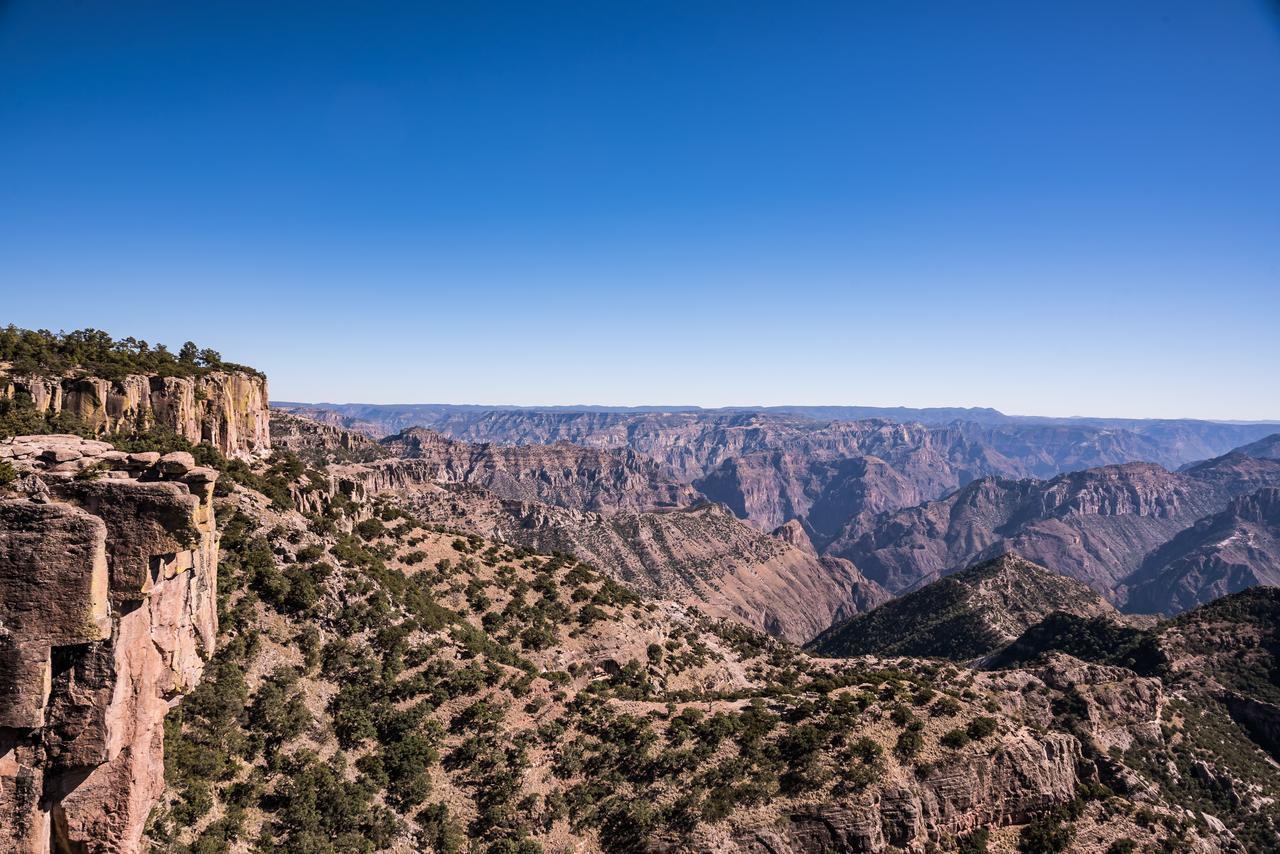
point(1025, 776)
point(107, 613)
point(227, 410)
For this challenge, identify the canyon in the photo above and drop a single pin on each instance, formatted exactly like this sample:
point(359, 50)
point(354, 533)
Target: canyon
point(900, 503)
point(225, 627)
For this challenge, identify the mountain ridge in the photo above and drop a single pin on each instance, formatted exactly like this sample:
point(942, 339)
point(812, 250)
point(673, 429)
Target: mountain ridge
point(965, 615)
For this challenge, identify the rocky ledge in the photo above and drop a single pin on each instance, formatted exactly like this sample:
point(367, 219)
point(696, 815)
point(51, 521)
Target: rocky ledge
point(107, 614)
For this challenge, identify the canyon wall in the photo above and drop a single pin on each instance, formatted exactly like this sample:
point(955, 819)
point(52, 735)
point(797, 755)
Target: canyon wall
point(227, 410)
point(107, 614)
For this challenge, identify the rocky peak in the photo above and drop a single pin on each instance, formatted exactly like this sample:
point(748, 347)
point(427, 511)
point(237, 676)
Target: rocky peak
point(107, 612)
point(793, 534)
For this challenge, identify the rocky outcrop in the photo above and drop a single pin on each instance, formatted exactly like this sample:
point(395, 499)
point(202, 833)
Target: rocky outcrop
point(225, 409)
point(1024, 776)
point(1115, 707)
point(107, 613)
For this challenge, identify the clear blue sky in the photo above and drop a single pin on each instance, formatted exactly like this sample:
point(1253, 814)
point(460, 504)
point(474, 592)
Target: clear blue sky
point(1066, 208)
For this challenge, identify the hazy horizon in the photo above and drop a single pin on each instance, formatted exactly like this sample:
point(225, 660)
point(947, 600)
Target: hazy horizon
point(678, 407)
point(1038, 209)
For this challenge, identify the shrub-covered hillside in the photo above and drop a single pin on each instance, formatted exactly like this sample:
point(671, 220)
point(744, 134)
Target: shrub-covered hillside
point(383, 685)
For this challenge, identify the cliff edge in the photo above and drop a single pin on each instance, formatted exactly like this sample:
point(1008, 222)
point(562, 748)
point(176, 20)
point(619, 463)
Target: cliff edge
point(225, 409)
point(108, 567)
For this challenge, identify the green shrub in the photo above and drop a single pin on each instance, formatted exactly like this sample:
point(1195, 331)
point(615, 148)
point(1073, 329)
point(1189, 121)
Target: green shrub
point(1045, 835)
point(980, 728)
point(371, 528)
point(909, 743)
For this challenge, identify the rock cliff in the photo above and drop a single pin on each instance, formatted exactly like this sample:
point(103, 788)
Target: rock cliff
point(1025, 775)
point(108, 567)
point(225, 409)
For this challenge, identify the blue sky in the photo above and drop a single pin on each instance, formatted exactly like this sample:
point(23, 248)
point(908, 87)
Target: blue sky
point(1048, 208)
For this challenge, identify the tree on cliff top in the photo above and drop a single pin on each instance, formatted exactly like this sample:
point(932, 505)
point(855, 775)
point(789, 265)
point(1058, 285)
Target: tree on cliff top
point(95, 353)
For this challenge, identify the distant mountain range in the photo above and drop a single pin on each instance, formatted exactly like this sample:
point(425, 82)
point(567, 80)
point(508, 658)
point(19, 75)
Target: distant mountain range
point(378, 420)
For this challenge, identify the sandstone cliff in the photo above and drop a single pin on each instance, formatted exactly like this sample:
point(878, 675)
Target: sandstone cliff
point(225, 409)
point(107, 613)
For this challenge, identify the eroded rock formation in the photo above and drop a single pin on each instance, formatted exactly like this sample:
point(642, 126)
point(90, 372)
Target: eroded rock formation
point(107, 614)
point(225, 409)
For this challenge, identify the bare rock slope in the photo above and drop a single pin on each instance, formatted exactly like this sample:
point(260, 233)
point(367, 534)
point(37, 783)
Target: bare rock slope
point(703, 554)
